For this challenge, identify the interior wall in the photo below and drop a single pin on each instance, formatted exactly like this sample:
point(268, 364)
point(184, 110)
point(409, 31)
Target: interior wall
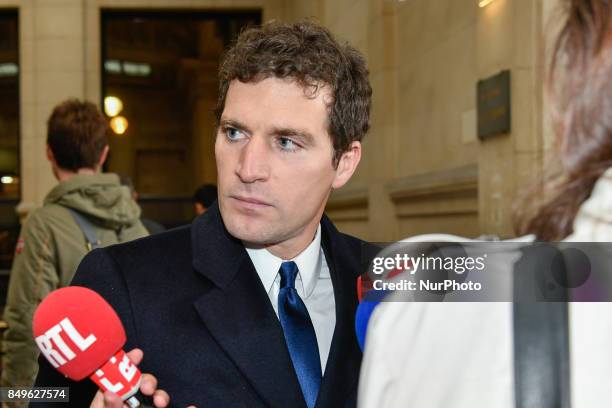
point(515, 35)
point(424, 169)
point(418, 172)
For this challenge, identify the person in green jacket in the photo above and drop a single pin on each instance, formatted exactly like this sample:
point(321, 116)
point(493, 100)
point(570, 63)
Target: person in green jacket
point(52, 243)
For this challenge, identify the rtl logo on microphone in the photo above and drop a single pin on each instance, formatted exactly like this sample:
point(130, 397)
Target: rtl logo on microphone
point(63, 353)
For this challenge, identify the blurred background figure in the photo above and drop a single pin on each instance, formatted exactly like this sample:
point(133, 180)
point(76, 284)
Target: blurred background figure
point(578, 189)
point(153, 227)
point(87, 209)
point(435, 355)
point(203, 198)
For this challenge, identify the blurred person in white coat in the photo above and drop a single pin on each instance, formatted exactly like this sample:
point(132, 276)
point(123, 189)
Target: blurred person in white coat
point(456, 355)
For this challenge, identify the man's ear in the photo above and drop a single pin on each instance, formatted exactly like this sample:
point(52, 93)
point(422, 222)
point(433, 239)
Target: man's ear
point(347, 164)
point(50, 155)
point(103, 157)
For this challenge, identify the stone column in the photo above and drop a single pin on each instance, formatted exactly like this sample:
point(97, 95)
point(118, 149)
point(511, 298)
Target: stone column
point(52, 70)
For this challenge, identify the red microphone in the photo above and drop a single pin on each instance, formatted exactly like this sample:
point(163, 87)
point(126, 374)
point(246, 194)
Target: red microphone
point(80, 335)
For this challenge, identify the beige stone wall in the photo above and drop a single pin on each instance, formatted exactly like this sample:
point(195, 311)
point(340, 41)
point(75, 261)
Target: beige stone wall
point(424, 169)
point(419, 170)
point(507, 163)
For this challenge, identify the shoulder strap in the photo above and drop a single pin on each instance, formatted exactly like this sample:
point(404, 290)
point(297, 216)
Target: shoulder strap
point(87, 228)
point(541, 336)
point(541, 360)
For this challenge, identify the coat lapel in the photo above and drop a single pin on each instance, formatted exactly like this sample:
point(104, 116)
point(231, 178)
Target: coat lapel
point(342, 371)
point(238, 314)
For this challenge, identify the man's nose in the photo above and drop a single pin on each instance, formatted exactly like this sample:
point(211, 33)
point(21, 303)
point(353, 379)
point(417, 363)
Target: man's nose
point(254, 161)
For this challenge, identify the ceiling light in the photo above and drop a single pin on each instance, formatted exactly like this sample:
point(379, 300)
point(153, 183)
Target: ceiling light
point(119, 124)
point(112, 106)
point(484, 3)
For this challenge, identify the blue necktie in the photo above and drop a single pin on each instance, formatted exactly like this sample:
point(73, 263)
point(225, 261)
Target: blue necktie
point(299, 334)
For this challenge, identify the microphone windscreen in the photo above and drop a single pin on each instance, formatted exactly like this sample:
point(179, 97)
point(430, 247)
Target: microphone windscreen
point(77, 331)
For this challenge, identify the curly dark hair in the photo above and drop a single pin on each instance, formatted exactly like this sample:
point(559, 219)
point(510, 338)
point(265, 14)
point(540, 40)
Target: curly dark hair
point(77, 133)
point(309, 54)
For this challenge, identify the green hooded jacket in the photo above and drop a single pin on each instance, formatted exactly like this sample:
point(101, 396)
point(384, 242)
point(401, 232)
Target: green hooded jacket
point(50, 247)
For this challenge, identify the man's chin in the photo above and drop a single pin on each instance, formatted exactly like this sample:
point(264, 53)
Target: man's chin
point(251, 232)
point(256, 229)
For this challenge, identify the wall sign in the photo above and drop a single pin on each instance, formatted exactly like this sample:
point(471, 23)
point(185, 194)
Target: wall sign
point(493, 104)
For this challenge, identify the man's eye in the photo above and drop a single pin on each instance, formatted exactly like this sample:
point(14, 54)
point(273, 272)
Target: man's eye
point(233, 134)
point(287, 144)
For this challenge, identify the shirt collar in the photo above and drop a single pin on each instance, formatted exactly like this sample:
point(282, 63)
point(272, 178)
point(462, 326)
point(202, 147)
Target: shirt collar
point(308, 262)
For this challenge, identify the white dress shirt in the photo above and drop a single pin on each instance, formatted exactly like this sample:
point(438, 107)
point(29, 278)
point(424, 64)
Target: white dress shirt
point(313, 283)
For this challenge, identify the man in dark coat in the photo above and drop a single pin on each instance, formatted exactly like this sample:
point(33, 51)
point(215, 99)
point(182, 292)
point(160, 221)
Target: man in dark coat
point(253, 304)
